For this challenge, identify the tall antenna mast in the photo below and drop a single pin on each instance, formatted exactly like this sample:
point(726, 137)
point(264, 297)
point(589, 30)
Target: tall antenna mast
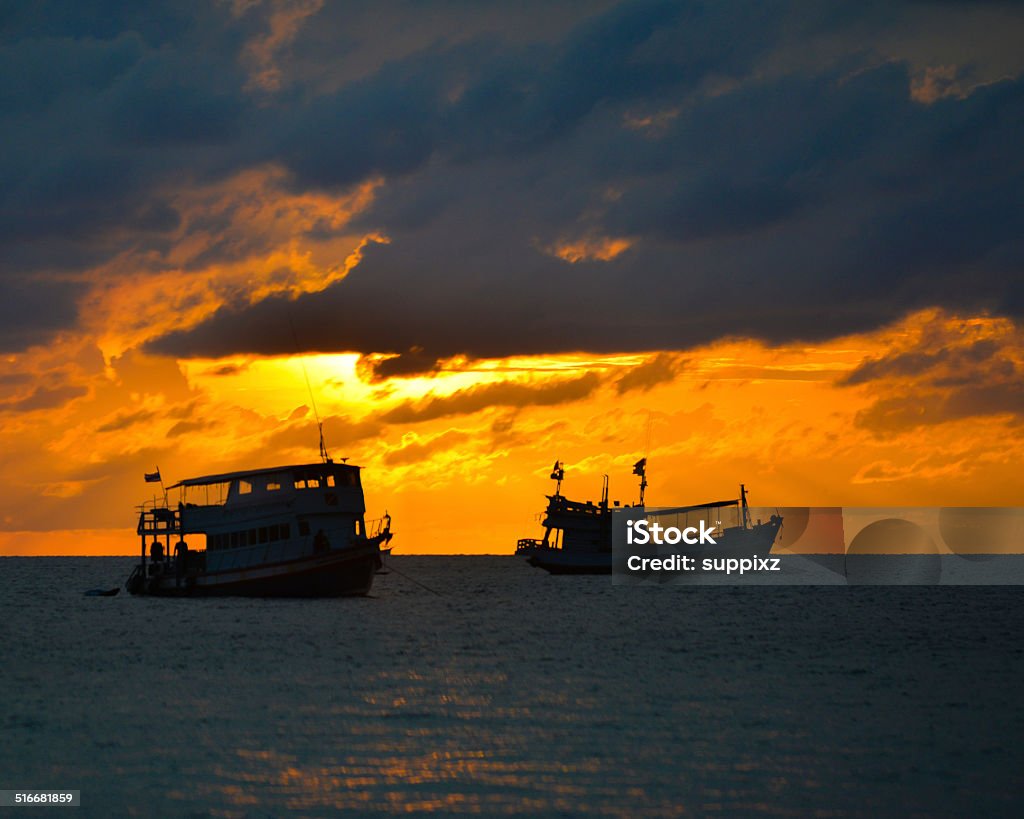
point(647, 445)
point(312, 399)
point(319, 424)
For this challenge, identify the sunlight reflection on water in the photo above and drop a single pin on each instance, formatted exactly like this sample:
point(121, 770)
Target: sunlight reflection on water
point(514, 692)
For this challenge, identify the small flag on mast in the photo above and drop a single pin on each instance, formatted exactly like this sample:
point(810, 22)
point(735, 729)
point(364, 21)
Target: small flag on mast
point(153, 477)
point(557, 472)
point(640, 467)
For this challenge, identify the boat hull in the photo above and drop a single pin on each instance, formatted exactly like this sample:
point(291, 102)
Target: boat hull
point(736, 542)
point(342, 573)
point(559, 561)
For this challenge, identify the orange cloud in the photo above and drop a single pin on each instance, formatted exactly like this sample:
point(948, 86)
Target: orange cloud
point(283, 24)
point(654, 124)
point(941, 369)
point(237, 243)
point(591, 248)
point(502, 394)
point(936, 82)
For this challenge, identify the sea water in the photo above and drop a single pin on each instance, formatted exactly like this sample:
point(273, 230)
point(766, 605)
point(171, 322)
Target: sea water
point(477, 685)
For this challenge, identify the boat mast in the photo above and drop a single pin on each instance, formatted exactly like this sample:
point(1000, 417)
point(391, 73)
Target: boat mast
point(640, 468)
point(312, 399)
point(743, 506)
point(557, 474)
point(323, 449)
point(604, 493)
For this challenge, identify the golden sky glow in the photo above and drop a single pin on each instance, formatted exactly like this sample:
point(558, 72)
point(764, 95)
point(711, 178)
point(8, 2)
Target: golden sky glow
point(460, 457)
point(454, 202)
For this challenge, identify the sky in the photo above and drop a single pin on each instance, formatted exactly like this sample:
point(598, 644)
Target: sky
point(777, 243)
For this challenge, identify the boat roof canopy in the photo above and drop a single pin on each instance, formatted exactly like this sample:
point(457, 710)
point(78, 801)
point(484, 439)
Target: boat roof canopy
point(206, 480)
point(712, 505)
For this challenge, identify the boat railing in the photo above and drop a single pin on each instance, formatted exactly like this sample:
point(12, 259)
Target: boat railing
point(157, 518)
point(378, 526)
point(525, 544)
point(559, 504)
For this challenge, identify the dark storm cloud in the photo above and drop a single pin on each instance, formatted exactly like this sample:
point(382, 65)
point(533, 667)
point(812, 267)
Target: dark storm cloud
point(963, 360)
point(31, 311)
point(411, 362)
point(85, 88)
point(104, 108)
point(941, 377)
point(485, 396)
point(767, 161)
point(909, 411)
point(661, 369)
point(100, 104)
point(480, 100)
point(792, 206)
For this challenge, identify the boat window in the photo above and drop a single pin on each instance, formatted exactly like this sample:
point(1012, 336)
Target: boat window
point(263, 534)
point(275, 532)
point(244, 487)
point(330, 480)
point(303, 527)
point(252, 537)
point(208, 494)
point(273, 486)
point(359, 527)
point(285, 531)
point(234, 540)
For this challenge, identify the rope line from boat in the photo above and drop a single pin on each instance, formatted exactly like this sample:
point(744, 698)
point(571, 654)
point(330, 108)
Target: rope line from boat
point(391, 568)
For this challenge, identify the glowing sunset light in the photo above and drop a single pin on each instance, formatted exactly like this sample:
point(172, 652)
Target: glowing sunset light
point(512, 408)
point(567, 244)
point(798, 423)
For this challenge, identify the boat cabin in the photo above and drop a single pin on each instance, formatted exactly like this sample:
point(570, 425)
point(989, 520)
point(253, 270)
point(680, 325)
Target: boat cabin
point(255, 517)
